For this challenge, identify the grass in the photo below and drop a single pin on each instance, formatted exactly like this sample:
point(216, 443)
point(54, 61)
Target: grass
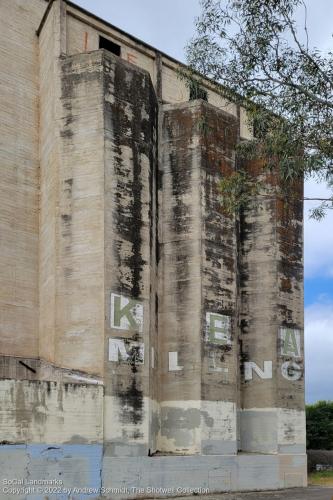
point(322, 478)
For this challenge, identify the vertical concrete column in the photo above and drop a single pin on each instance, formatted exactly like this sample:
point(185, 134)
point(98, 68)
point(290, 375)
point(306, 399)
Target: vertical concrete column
point(49, 102)
point(220, 363)
point(80, 217)
point(271, 262)
point(71, 204)
point(19, 183)
point(197, 344)
point(130, 114)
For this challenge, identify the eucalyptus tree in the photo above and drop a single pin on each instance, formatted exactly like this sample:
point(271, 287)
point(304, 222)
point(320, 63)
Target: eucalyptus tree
point(264, 61)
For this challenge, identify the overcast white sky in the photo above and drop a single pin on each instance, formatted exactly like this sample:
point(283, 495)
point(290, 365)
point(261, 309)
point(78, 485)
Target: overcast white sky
point(168, 25)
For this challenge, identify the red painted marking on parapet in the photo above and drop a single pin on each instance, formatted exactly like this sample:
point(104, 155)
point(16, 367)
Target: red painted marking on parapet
point(131, 58)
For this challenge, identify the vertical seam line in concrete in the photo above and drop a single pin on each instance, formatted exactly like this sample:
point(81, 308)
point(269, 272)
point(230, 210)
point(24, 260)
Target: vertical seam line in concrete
point(105, 293)
point(57, 103)
point(203, 146)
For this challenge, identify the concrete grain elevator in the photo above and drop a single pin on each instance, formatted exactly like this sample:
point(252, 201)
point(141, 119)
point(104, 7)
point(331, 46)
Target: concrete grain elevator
point(150, 343)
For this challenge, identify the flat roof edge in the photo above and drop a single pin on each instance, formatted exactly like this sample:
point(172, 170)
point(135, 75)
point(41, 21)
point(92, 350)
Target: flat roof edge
point(122, 32)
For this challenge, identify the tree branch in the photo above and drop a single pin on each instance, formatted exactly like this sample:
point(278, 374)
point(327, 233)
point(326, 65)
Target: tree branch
point(302, 90)
point(304, 52)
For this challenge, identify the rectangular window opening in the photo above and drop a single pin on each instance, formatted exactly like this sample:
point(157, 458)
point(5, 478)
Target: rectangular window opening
point(106, 44)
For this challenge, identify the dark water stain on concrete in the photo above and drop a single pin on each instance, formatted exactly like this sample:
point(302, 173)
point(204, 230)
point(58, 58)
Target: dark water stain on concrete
point(131, 401)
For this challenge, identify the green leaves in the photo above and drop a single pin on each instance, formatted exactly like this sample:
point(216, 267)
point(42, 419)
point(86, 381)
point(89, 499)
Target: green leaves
point(254, 50)
point(237, 190)
point(319, 425)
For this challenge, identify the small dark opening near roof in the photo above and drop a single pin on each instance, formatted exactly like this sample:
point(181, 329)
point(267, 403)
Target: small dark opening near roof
point(106, 44)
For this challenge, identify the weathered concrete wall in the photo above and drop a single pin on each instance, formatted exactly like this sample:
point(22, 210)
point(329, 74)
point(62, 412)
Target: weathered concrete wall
point(197, 323)
point(147, 361)
point(80, 280)
point(180, 281)
point(175, 476)
point(38, 369)
point(19, 176)
point(49, 412)
point(83, 33)
point(130, 111)
point(272, 317)
point(50, 431)
point(49, 96)
point(72, 206)
point(72, 469)
point(220, 363)
point(83, 37)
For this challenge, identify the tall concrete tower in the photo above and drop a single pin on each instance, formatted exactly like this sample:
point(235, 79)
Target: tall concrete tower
point(151, 344)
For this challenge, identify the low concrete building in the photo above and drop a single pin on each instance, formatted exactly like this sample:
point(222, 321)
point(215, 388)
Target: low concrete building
point(151, 344)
